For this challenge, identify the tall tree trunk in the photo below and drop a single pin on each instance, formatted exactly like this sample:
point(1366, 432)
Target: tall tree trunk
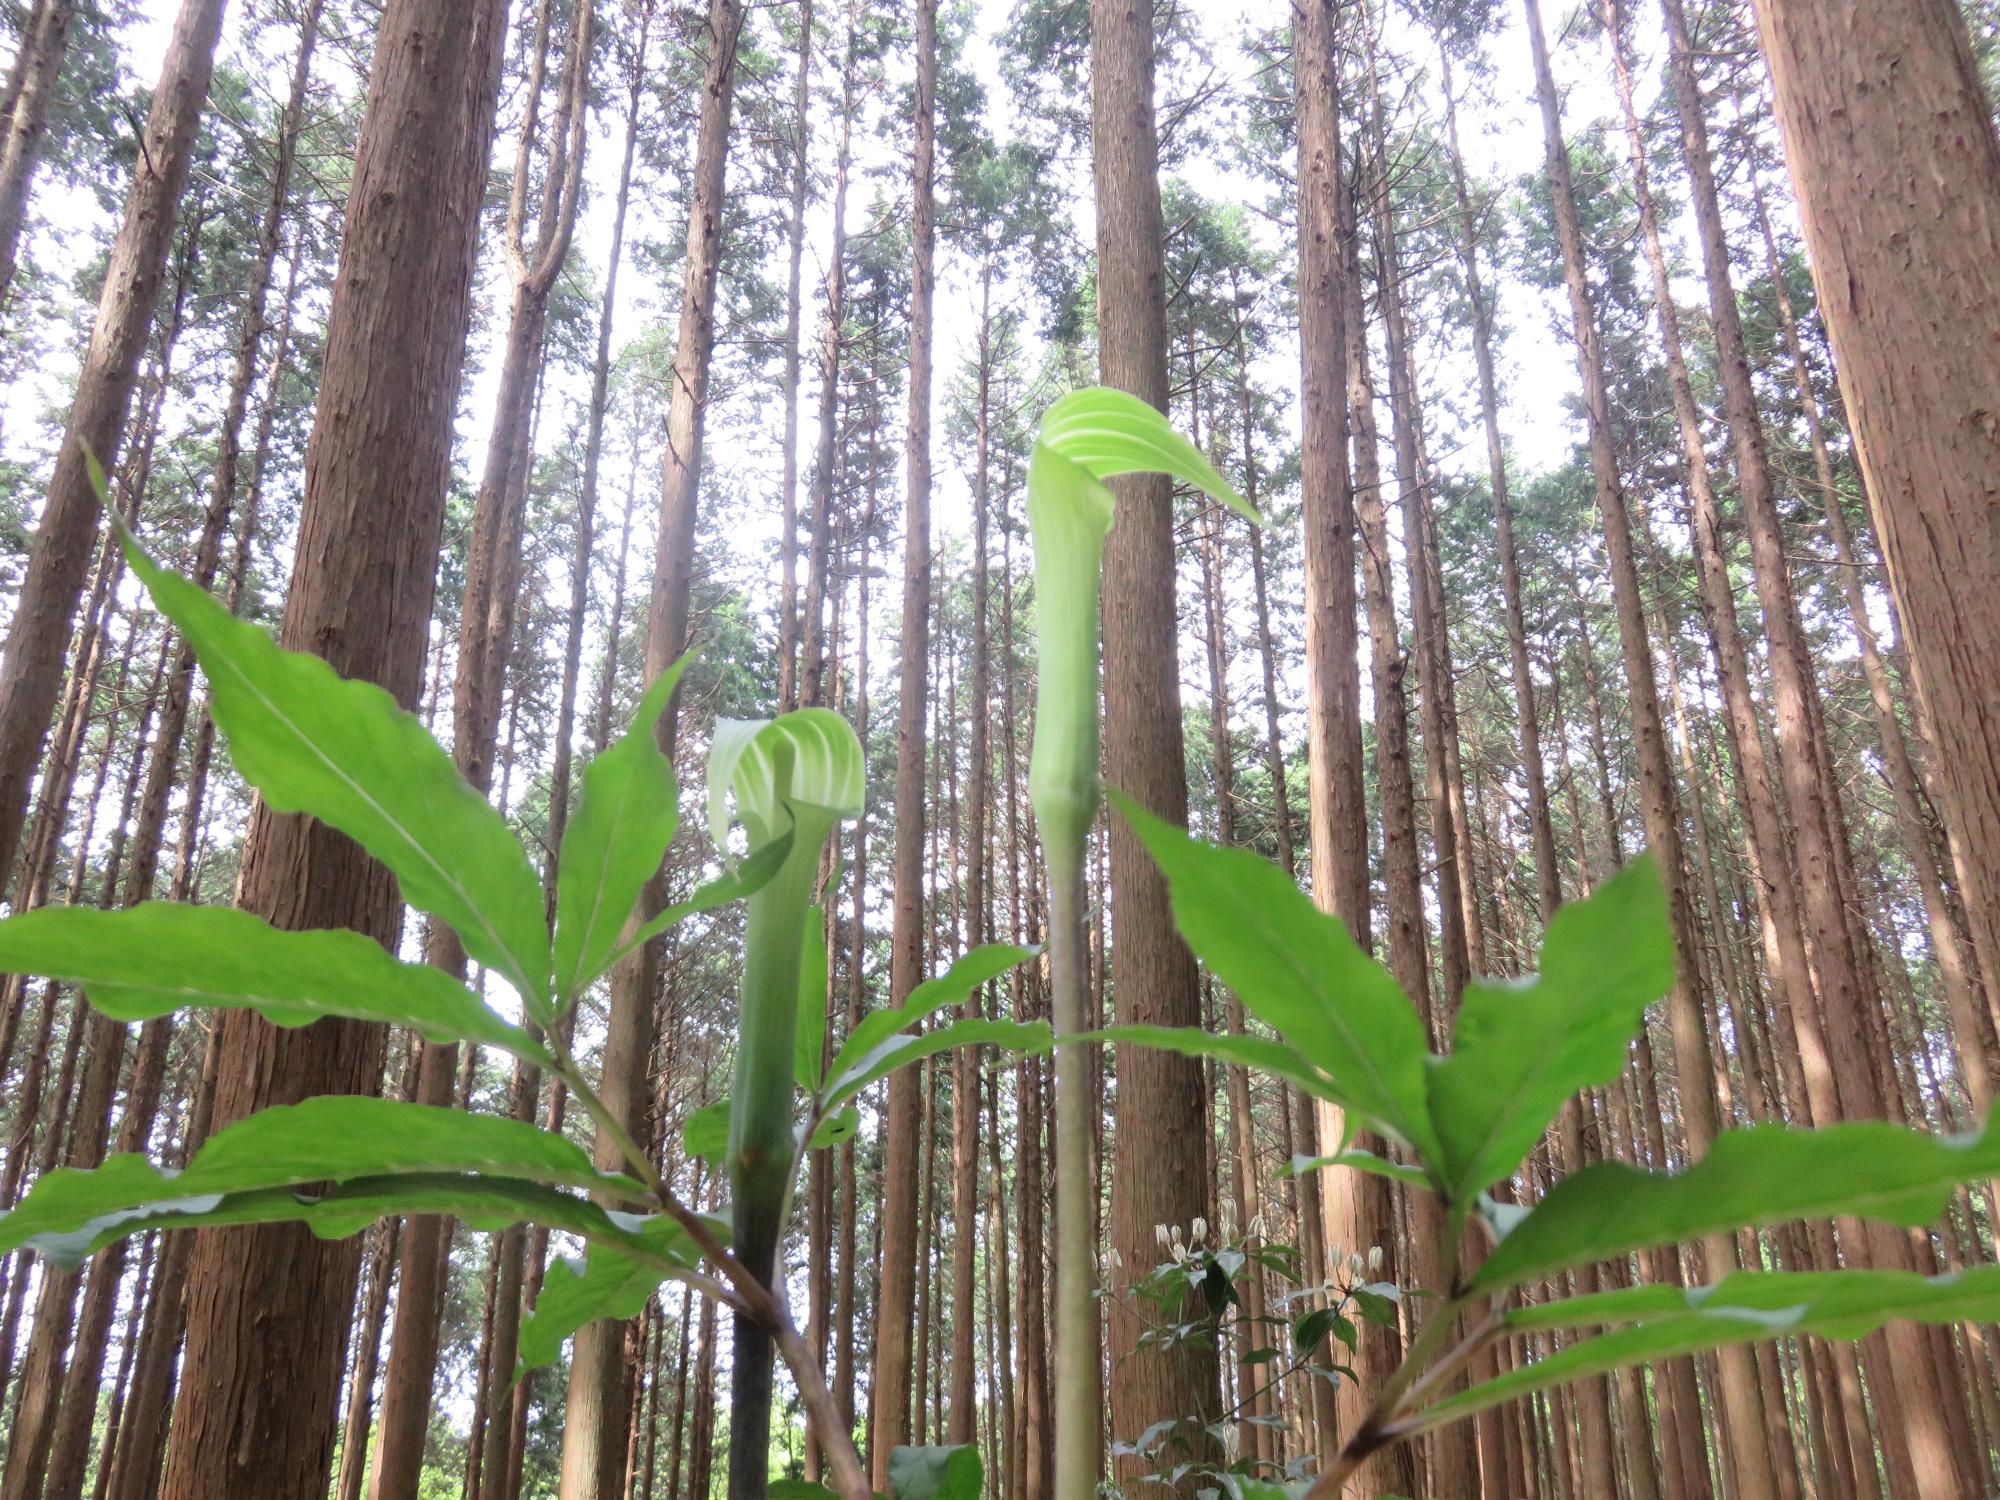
point(1897, 171)
point(966, 1061)
point(31, 669)
point(895, 1305)
point(276, 1299)
point(1160, 1172)
point(1816, 823)
point(795, 239)
point(598, 1406)
point(31, 90)
point(486, 630)
point(1355, 1208)
point(1700, 1111)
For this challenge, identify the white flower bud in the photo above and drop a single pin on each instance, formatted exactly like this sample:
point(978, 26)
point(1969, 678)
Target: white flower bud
point(1199, 1229)
point(1161, 1236)
point(1374, 1258)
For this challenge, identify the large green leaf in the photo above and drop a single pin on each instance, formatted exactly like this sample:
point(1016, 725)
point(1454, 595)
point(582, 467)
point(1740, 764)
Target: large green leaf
point(1521, 1048)
point(314, 742)
point(1765, 1174)
point(332, 1212)
point(1739, 1309)
point(1274, 1059)
point(1299, 970)
point(983, 964)
point(612, 1282)
point(935, 1473)
point(335, 1138)
point(158, 957)
point(630, 809)
point(749, 876)
point(1028, 1038)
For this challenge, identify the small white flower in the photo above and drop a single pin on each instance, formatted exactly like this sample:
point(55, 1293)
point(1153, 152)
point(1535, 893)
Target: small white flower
point(1161, 1236)
point(1333, 1255)
point(1356, 1265)
point(1199, 1229)
point(1374, 1258)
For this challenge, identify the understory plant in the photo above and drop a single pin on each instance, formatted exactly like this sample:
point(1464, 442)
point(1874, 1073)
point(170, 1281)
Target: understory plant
point(1458, 1124)
point(344, 752)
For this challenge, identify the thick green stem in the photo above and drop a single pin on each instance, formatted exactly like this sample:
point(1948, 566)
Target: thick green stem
point(762, 1145)
point(1076, 1365)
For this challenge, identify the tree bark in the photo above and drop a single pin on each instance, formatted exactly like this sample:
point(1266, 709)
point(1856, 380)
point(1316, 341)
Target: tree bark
point(1700, 1112)
point(1897, 171)
point(1160, 1171)
point(31, 90)
point(278, 1299)
point(598, 1408)
point(896, 1292)
point(31, 669)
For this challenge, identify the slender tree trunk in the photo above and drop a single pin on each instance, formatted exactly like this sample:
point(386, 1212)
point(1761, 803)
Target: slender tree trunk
point(795, 239)
point(278, 1298)
point(31, 90)
point(598, 1402)
point(31, 669)
point(1700, 1112)
point(1159, 1174)
point(486, 630)
point(1355, 1208)
point(890, 1392)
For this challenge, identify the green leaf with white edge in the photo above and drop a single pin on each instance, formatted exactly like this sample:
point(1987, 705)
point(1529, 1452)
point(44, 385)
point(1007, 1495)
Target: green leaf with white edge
point(1023, 1038)
point(1762, 1174)
point(749, 876)
point(1359, 1161)
point(614, 844)
point(160, 956)
point(809, 1035)
point(334, 1138)
point(153, 1199)
point(935, 1473)
point(312, 741)
point(979, 966)
point(611, 1282)
point(1520, 1048)
point(1739, 1309)
point(1299, 971)
point(705, 1133)
point(810, 757)
point(1260, 1054)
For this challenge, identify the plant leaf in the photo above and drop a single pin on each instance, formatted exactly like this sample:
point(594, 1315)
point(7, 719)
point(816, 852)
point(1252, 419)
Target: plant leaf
point(935, 1473)
point(809, 1036)
point(835, 1128)
point(983, 964)
point(1739, 1309)
point(334, 1138)
point(1274, 1059)
point(1299, 970)
point(614, 844)
point(612, 1282)
point(1360, 1161)
point(1521, 1048)
point(312, 741)
point(160, 956)
point(1029, 1038)
point(705, 1132)
point(335, 1212)
point(745, 880)
point(1763, 1174)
